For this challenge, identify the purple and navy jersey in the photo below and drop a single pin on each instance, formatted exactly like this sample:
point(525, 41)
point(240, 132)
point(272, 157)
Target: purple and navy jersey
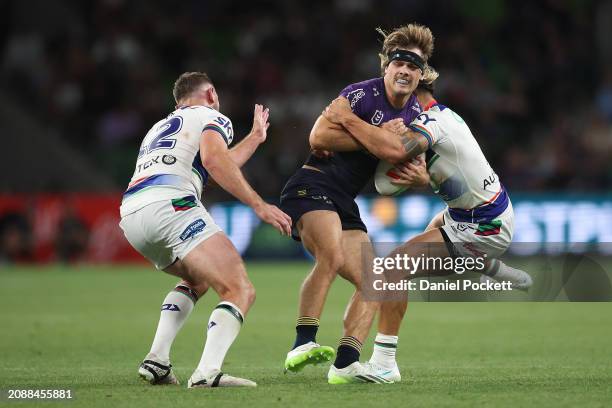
point(352, 170)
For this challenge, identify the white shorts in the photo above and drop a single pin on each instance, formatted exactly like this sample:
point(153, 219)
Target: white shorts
point(492, 238)
point(166, 230)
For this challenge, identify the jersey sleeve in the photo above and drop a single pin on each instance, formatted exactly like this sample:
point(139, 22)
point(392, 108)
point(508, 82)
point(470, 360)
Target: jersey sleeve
point(356, 97)
point(427, 124)
point(215, 121)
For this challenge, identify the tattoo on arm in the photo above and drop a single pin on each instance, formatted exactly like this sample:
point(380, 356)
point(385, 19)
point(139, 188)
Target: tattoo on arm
point(412, 147)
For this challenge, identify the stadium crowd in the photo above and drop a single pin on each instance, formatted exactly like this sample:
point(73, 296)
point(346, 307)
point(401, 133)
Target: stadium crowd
point(533, 80)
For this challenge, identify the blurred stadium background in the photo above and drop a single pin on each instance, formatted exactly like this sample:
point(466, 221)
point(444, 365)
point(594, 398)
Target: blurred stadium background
point(83, 81)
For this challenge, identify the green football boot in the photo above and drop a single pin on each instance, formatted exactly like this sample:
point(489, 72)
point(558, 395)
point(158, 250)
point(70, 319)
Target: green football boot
point(309, 353)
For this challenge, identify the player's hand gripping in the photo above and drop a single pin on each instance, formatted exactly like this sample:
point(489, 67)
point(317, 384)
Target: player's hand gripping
point(274, 216)
point(396, 126)
point(336, 111)
point(412, 173)
point(260, 123)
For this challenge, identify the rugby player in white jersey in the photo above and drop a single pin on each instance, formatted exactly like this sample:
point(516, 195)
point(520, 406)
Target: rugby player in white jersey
point(478, 220)
point(163, 219)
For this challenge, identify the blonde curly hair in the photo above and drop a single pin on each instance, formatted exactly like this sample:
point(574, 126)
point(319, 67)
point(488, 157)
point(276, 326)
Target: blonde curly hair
point(429, 75)
point(404, 37)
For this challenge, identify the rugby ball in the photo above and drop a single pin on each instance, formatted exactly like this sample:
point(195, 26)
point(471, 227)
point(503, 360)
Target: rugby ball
point(385, 174)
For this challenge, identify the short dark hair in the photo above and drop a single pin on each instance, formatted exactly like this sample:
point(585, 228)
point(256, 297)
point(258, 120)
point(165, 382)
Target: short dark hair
point(187, 83)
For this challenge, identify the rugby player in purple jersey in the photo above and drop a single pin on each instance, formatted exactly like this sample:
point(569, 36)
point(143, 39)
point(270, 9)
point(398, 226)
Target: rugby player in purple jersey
point(320, 198)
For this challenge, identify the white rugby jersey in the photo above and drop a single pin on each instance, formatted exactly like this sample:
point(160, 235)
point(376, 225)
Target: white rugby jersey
point(458, 170)
point(169, 162)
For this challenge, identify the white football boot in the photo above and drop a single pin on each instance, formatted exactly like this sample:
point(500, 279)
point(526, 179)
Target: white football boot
point(217, 379)
point(389, 374)
point(156, 371)
point(354, 374)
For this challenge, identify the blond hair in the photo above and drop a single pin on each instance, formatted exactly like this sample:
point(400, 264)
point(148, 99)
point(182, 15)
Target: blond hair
point(429, 75)
point(404, 37)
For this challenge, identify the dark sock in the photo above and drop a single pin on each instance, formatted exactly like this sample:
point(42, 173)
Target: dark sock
point(306, 330)
point(348, 352)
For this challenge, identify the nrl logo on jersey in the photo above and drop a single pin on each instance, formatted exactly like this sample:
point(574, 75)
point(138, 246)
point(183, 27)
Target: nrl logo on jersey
point(355, 96)
point(377, 117)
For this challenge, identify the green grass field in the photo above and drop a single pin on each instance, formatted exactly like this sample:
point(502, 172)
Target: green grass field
point(87, 329)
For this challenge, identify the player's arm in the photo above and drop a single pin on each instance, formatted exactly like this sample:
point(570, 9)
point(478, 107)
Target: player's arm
point(243, 151)
point(217, 161)
point(379, 141)
point(326, 135)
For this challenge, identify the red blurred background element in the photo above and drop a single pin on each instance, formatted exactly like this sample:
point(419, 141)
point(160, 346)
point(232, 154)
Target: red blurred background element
point(63, 228)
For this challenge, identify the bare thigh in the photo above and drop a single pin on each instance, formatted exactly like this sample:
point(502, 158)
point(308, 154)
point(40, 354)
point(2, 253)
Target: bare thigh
point(321, 234)
point(436, 222)
point(358, 252)
point(216, 263)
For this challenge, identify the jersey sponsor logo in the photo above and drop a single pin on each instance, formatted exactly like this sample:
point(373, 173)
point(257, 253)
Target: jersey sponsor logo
point(147, 164)
point(489, 181)
point(193, 229)
point(168, 159)
point(416, 108)
point(377, 117)
point(170, 307)
point(425, 118)
point(227, 125)
point(211, 325)
point(354, 96)
point(375, 91)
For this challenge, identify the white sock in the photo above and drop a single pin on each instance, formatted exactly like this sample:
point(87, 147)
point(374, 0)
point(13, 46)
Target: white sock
point(223, 328)
point(493, 268)
point(385, 347)
point(502, 272)
point(177, 306)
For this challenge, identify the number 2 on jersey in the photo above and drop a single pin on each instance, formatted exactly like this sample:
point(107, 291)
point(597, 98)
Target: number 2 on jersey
point(163, 139)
